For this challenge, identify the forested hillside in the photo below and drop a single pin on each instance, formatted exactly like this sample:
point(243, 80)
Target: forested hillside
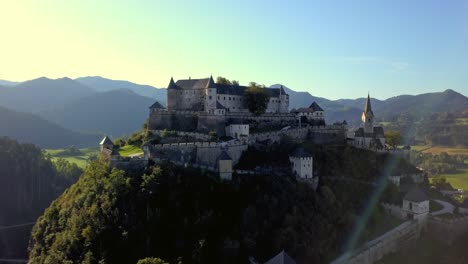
point(28, 183)
point(185, 214)
point(30, 128)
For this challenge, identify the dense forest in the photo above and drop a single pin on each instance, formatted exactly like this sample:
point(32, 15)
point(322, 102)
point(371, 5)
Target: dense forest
point(28, 183)
point(190, 216)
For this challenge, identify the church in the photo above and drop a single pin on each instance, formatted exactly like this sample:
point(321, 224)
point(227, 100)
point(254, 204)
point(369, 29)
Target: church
point(369, 136)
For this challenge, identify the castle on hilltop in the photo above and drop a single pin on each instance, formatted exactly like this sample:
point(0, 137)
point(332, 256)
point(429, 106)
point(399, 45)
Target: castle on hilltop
point(204, 95)
point(202, 105)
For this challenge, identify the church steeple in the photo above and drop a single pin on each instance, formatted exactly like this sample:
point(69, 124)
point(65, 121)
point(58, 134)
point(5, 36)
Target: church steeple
point(368, 117)
point(368, 107)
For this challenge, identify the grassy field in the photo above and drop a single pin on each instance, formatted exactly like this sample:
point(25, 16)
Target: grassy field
point(128, 150)
point(457, 180)
point(80, 160)
point(440, 149)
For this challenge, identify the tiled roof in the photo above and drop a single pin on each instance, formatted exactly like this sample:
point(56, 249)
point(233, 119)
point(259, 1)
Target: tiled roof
point(416, 195)
point(281, 258)
point(314, 106)
point(378, 132)
point(156, 105)
point(106, 141)
point(193, 83)
point(300, 153)
point(224, 156)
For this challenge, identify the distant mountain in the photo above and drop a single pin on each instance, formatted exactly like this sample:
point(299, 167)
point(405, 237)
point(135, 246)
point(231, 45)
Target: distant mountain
point(385, 110)
point(101, 84)
point(43, 94)
point(116, 113)
point(335, 112)
point(33, 129)
point(7, 83)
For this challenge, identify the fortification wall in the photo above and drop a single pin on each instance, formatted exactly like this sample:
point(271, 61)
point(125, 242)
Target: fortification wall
point(173, 120)
point(199, 153)
point(208, 123)
point(196, 135)
point(394, 210)
point(448, 229)
point(389, 242)
point(320, 134)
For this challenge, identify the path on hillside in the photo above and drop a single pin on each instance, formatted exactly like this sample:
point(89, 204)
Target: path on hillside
point(16, 226)
point(13, 260)
point(448, 208)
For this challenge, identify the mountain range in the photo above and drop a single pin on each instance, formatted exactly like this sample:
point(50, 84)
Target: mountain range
point(30, 128)
point(88, 106)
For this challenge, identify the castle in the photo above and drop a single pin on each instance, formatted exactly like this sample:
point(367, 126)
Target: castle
point(205, 106)
point(204, 95)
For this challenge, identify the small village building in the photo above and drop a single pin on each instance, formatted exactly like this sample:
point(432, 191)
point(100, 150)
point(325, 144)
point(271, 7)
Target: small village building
point(313, 114)
point(416, 204)
point(237, 131)
point(225, 166)
point(369, 136)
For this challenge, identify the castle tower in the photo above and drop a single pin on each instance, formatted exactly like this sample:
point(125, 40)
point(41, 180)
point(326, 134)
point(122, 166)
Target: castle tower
point(225, 166)
point(172, 95)
point(284, 101)
point(106, 143)
point(368, 117)
point(211, 95)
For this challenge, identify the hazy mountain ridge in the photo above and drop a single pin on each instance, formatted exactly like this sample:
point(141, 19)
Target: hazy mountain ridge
point(104, 106)
point(386, 110)
point(101, 84)
point(8, 83)
point(42, 94)
point(116, 113)
point(30, 128)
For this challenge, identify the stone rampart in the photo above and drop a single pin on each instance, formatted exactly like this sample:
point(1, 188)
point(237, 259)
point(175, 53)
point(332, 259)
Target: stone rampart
point(448, 229)
point(377, 248)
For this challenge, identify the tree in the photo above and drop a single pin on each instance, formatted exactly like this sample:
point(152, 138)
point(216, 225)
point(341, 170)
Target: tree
point(151, 261)
point(438, 182)
point(393, 138)
point(222, 80)
point(256, 98)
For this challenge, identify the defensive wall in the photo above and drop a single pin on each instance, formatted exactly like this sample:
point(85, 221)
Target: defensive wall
point(197, 153)
point(448, 229)
point(377, 248)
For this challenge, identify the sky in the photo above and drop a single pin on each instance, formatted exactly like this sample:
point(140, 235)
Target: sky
point(333, 49)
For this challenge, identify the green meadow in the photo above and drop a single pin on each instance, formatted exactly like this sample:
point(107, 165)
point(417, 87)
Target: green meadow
point(80, 159)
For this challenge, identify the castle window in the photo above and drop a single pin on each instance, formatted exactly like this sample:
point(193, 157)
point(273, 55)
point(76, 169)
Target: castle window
point(218, 97)
point(210, 97)
point(224, 98)
point(229, 98)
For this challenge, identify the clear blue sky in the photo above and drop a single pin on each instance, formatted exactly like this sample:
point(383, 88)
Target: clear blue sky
point(333, 49)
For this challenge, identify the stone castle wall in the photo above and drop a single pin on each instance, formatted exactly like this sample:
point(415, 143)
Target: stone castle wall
point(173, 120)
point(389, 242)
point(199, 153)
point(320, 134)
point(448, 229)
